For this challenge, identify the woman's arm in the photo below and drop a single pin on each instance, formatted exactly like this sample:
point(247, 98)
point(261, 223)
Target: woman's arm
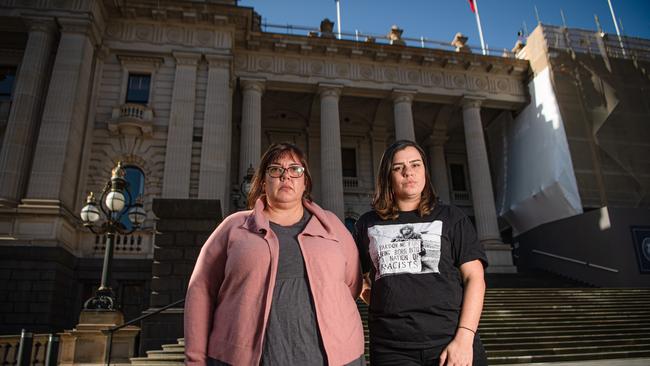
point(201, 295)
point(459, 351)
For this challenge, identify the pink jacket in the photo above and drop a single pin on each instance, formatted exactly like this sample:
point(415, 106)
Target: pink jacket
point(230, 291)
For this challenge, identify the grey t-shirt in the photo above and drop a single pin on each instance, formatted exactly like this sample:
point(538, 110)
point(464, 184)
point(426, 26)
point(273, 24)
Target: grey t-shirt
point(292, 336)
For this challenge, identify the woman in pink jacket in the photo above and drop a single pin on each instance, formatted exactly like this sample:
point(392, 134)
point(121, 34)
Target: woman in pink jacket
point(276, 285)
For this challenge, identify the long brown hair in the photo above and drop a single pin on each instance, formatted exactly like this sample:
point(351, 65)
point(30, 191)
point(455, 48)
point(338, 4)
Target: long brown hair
point(274, 153)
point(384, 201)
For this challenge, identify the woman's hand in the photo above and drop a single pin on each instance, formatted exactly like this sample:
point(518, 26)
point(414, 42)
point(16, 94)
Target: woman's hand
point(459, 351)
point(365, 289)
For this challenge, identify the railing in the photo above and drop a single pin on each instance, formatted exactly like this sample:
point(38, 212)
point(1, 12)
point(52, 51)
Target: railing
point(123, 243)
point(112, 330)
point(29, 349)
point(461, 197)
point(138, 244)
point(132, 111)
point(350, 182)
point(576, 261)
point(363, 37)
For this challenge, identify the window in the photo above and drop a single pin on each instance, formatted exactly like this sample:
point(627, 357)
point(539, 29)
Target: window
point(458, 182)
point(7, 78)
point(349, 159)
point(135, 178)
point(137, 90)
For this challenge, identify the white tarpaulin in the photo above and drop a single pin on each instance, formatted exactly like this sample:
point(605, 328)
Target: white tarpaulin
point(535, 182)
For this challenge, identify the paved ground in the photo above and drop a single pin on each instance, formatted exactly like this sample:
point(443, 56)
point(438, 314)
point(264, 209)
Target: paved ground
point(620, 362)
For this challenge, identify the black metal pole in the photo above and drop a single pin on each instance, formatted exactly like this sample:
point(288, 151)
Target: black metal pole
point(108, 259)
point(52, 352)
point(25, 348)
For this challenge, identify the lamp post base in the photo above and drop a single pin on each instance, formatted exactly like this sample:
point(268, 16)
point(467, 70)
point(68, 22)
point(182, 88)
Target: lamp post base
point(103, 300)
point(87, 343)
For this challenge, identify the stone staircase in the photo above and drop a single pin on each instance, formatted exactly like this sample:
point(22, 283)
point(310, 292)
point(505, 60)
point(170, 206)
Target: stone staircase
point(525, 325)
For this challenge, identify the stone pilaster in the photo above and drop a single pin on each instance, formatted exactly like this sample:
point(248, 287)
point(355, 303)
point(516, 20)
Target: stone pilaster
point(499, 254)
point(331, 165)
point(402, 103)
point(176, 178)
point(439, 166)
point(214, 174)
point(23, 119)
point(56, 160)
point(250, 147)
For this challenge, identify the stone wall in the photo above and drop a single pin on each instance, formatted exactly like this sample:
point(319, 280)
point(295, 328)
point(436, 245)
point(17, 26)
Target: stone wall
point(183, 226)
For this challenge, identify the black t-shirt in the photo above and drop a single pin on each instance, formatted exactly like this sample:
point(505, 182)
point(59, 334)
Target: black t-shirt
point(414, 262)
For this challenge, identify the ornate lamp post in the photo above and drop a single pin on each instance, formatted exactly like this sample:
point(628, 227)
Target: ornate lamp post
point(113, 205)
point(241, 196)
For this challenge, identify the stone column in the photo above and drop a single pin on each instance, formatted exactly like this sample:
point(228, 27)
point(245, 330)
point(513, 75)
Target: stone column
point(439, 166)
point(479, 173)
point(23, 119)
point(214, 174)
point(499, 254)
point(402, 102)
point(330, 146)
point(250, 147)
point(57, 156)
point(176, 178)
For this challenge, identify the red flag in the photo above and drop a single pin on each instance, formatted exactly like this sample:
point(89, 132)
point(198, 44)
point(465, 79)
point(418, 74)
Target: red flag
point(471, 6)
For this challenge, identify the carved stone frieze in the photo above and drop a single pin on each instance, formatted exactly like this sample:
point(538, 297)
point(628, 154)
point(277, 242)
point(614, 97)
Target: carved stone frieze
point(457, 79)
point(168, 34)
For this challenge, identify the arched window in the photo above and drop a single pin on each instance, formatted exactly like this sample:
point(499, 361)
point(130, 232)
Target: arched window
point(135, 178)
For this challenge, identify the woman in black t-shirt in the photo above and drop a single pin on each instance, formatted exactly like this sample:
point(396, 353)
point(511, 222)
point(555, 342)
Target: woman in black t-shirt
point(425, 266)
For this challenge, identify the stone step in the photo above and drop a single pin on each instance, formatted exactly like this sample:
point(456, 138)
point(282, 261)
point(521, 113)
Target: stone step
point(173, 348)
point(567, 343)
point(557, 351)
point(160, 354)
point(496, 341)
point(503, 360)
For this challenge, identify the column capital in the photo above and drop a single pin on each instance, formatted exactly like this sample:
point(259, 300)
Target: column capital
point(81, 26)
point(218, 60)
point(330, 90)
point(403, 95)
point(253, 84)
point(470, 101)
point(186, 58)
point(41, 24)
point(436, 139)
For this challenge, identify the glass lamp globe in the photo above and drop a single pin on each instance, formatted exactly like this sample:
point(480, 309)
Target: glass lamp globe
point(137, 214)
point(89, 213)
point(115, 201)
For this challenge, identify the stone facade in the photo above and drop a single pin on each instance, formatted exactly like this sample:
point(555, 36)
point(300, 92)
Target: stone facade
point(218, 91)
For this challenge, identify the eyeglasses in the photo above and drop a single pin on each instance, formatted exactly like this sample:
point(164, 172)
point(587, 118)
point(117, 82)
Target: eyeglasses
point(295, 171)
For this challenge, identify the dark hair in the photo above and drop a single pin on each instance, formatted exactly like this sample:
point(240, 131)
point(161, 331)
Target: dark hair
point(384, 201)
point(272, 155)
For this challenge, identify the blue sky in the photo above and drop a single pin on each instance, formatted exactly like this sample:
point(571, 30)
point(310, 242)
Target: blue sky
point(440, 19)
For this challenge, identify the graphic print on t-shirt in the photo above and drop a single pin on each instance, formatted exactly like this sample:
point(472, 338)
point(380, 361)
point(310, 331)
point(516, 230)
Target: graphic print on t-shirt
point(405, 248)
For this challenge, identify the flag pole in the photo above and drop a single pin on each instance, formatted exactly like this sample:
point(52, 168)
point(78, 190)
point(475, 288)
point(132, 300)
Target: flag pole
point(338, 17)
point(480, 29)
point(618, 32)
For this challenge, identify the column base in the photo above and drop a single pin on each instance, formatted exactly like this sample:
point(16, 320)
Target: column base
point(499, 257)
point(88, 342)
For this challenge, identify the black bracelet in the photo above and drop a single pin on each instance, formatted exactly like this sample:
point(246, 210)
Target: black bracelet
point(473, 331)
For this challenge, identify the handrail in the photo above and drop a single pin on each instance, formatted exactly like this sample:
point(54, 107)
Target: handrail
point(576, 261)
point(112, 330)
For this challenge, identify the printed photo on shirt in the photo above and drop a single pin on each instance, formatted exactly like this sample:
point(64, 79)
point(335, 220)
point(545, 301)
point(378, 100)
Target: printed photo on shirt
point(405, 248)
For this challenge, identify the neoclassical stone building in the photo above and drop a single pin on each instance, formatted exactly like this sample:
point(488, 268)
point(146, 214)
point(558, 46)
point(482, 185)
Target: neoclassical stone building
point(188, 94)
